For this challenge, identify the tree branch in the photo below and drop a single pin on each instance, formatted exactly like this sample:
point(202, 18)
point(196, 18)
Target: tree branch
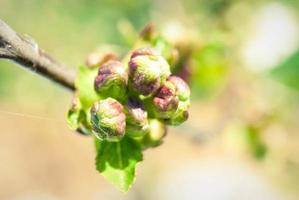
point(26, 53)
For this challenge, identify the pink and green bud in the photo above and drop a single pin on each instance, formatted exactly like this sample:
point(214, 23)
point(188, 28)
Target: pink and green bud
point(136, 119)
point(147, 71)
point(171, 96)
point(165, 102)
point(181, 114)
point(111, 80)
point(146, 51)
point(182, 88)
point(108, 119)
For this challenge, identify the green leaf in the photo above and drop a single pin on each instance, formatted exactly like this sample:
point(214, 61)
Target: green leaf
point(77, 120)
point(73, 118)
point(85, 85)
point(116, 161)
point(78, 115)
point(288, 71)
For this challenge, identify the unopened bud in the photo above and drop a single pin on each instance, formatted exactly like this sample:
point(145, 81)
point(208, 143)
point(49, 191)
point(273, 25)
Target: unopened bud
point(108, 119)
point(157, 132)
point(181, 114)
point(147, 72)
point(136, 119)
point(96, 59)
point(171, 99)
point(146, 51)
point(111, 80)
point(165, 103)
point(182, 88)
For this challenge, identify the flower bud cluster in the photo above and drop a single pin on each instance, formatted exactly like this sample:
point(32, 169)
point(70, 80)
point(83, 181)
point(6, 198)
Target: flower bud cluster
point(138, 98)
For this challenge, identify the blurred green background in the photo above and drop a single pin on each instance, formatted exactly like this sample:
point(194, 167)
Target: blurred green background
point(242, 138)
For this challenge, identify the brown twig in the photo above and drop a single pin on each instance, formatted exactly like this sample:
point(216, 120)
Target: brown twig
point(26, 53)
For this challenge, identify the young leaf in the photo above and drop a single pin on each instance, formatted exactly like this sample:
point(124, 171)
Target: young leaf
point(77, 120)
point(85, 85)
point(73, 118)
point(78, 114)
point(287, 72)
point(116, 161)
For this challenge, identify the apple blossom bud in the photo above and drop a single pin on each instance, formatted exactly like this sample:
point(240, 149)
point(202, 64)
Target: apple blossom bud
point(146, 51)
point(171, 98)
point(182, 88)
point(165, 102)
point(181, 114)
point(108, 120)
point(136, 118)
point(147, 71)
point(111, 80)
